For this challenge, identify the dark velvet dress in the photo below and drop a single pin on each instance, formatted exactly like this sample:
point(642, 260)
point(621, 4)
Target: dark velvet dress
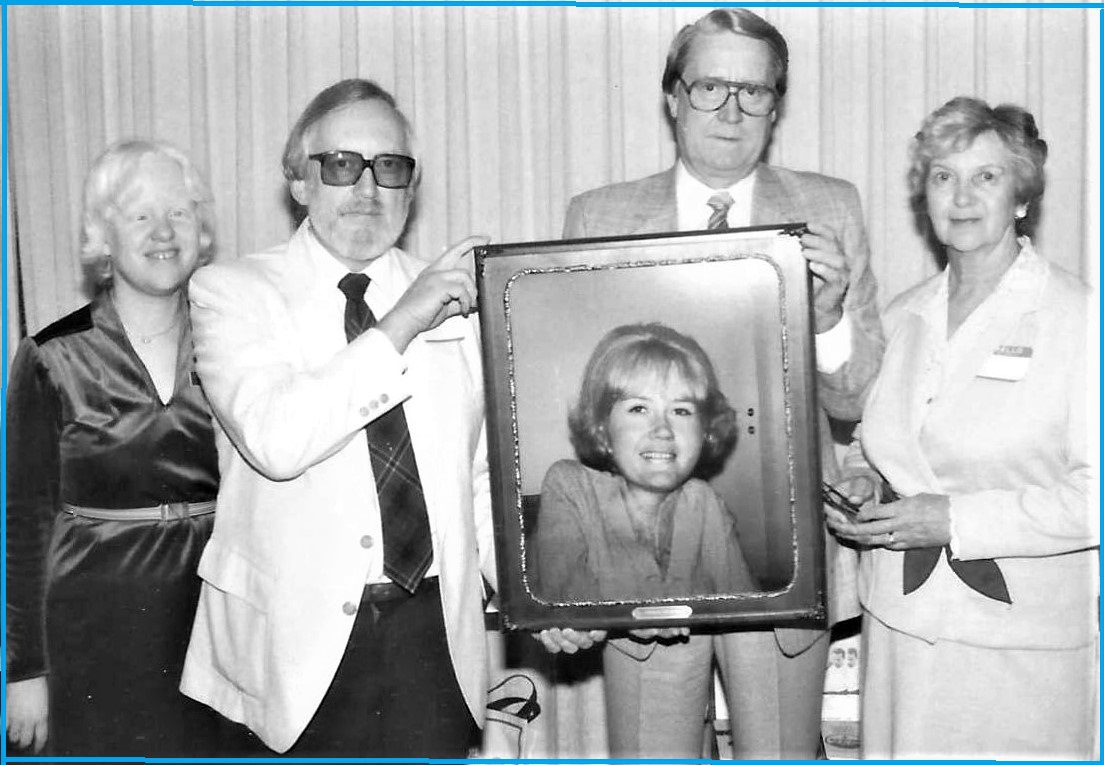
point(104, 608)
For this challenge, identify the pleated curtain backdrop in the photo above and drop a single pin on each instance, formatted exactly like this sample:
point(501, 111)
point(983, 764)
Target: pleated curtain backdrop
point(515, 109)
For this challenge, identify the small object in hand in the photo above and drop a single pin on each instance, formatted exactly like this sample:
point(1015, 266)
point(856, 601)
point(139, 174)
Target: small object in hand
point(834, 498)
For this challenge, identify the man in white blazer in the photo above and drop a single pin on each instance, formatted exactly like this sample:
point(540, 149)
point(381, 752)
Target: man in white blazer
point(723, 84)
point(300, 634)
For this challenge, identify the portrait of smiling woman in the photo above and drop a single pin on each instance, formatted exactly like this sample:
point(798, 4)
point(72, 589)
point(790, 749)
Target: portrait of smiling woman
point(112, 475)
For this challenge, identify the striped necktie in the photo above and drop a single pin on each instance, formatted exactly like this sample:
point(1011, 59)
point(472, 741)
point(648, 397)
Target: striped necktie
point(407, 544)
point(720, 204)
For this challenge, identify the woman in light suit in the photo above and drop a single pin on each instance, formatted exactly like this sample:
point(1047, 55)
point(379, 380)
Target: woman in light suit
point(978, 575)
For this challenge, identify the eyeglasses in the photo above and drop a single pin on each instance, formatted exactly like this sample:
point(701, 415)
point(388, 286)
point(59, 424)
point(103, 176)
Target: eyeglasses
point(344, 168)
point(709, 95)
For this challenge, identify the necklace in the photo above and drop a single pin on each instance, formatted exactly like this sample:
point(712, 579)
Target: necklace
point(148, 338)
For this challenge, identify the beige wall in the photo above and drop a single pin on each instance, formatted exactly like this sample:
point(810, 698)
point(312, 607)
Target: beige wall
point(517, 108)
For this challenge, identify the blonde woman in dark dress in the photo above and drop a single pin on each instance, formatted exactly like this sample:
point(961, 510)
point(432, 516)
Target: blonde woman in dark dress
point(112, 473)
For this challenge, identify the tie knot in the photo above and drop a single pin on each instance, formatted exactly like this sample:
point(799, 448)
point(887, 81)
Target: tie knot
point(354, 285)
point(720, 202)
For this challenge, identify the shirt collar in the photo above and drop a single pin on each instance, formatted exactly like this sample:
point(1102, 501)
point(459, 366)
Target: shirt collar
point(692, 197)
point(331, 269)
point(1022, 283)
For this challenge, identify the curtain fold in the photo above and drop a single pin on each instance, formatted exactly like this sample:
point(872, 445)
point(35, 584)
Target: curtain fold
point(515, 109)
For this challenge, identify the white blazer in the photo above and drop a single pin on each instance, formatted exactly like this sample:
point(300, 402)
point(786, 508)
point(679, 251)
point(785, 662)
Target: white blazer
point(1005, 436)
point(297, 533)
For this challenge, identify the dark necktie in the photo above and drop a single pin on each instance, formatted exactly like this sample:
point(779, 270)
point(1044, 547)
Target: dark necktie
point(407, 545)
point(719, 203)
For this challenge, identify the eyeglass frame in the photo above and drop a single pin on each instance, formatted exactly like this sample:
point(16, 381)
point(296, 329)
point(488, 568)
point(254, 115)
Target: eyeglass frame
point(734, 89)
point(369, 164)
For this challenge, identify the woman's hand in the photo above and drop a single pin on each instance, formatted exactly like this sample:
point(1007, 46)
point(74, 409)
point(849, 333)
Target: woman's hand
point(861, 489)
point(27, 713)
point(923, 520)
point(568, 640)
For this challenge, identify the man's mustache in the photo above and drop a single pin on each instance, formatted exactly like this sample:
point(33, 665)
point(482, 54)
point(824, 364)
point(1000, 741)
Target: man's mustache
point(368, 208)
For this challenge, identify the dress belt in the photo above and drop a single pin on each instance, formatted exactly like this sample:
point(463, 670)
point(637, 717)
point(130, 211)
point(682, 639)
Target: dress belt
point(166, 511)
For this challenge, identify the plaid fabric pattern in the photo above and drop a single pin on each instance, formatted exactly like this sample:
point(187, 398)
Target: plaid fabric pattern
point(407, 546)
point(720, 204)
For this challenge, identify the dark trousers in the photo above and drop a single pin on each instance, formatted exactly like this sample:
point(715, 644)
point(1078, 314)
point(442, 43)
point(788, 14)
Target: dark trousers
point(395, 693)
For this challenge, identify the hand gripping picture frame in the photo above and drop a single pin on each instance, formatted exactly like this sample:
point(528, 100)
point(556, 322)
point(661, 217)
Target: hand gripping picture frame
point(651, 413)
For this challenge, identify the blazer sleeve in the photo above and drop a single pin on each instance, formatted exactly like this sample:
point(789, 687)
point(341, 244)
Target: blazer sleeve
point(575, 220)
point(563, 566)
point(1036, 520)
point(282, 415)
point(33, 434)
point(843, 392)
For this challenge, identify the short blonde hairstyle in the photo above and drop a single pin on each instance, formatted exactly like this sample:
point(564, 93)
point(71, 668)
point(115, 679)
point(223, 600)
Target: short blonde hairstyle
point(629, 352)
point(110, 175)
point(955, 125)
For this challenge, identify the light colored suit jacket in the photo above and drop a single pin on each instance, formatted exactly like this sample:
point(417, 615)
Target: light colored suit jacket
point(298, 528)
point(586, 547)
point(1006, 437)
point(648, 206)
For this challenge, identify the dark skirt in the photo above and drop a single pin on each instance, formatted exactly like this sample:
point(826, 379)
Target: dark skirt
point(119, 610)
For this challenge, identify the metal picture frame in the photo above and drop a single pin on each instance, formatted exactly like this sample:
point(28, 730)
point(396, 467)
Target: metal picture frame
point(743, 296)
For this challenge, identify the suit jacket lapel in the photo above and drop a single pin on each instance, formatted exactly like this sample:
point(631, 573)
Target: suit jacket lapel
point(655, 209)
point(1006, 322)
point(771, 202)
point(685, 539)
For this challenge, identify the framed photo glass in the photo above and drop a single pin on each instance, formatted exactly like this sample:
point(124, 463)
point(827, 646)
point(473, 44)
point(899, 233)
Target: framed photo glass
point(652, 430)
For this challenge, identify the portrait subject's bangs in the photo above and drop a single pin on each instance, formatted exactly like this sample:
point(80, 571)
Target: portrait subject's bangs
point(650, 364)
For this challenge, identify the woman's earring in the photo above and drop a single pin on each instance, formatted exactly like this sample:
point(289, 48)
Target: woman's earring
point(1021, 213)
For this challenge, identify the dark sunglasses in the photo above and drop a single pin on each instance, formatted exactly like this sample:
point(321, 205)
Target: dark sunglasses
point(344, 168)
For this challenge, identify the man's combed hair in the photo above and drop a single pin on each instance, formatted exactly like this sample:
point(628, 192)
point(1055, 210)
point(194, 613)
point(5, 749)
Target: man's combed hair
point(738, 21)
point(625, 354)
point(333, 98)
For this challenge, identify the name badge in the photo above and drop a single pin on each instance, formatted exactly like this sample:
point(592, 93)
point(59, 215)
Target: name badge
point(1007, 362)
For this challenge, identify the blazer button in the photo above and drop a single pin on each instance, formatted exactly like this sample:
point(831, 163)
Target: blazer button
point(373, 404)
point(384, 398)
point(349, 608)
point(366, 541)
point(364, 411)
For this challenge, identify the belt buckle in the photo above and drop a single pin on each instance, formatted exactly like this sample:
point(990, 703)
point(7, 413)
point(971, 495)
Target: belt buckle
point(173, 511)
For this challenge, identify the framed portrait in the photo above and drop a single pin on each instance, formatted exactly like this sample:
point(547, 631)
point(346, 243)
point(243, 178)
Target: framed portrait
point(652, 430)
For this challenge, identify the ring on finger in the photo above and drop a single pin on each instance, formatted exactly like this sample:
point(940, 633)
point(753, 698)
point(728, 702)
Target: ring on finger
point(889, 538)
